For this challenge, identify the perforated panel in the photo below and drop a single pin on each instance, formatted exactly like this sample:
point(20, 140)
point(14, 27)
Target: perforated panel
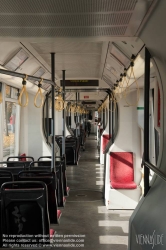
point(65, 6)
point(62, 32)
point(64, 18)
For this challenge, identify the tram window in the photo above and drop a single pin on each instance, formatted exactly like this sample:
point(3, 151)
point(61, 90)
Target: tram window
point(154, 121)
point(114, 121)
point(10, 129)
point(11, 92)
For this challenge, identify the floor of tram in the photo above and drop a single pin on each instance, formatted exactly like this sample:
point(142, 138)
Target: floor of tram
point(85, 222)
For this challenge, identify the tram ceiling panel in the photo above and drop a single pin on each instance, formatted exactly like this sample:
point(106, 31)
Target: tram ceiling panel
point(63, 18)
point(77, 66)
point(111, 74)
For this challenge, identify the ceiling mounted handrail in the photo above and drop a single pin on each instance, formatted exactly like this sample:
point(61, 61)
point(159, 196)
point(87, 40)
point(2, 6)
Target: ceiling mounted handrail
point(34, 78)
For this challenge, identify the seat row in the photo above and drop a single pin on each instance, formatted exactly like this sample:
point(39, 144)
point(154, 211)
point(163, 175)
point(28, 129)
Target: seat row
point(31, 187)
point(72, 148)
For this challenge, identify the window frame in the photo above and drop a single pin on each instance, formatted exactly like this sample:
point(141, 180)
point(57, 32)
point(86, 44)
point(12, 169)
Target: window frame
point(17, 131)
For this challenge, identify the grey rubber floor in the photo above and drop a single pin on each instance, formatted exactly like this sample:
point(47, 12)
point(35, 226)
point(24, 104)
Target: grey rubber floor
point(86, 223)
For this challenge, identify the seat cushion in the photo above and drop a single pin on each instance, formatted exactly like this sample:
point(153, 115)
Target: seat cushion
point(118, 185)
point(52, 231)
point(121, 170)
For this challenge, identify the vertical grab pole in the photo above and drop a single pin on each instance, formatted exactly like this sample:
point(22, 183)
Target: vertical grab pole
point(146, 119)
point(53, 111)
point(63, 116)
point(76, 116)
point(110, 115)
point(112, 127)
point(47, 117)
point(70, 118)
point(103, 118)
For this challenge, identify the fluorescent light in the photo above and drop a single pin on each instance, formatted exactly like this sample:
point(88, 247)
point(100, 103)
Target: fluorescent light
point(14, 63)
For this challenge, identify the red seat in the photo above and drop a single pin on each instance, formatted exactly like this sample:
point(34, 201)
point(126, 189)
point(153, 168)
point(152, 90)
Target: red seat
point(106, 139)
point(52, 231)
point(23, 159)
point(59, 213)
point(121, 170)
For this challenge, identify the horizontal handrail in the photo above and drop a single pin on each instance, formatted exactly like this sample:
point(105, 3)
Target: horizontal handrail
point(156, 170)
point(109, 144)
point(111, 141)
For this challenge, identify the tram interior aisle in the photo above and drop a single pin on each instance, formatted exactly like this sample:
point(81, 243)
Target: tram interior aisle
point(86, 223)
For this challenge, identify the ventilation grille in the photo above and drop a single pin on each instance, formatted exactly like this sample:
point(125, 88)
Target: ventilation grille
point(66, 6)
point(85, 20)
point(71, 18)
point(108, 81)
point(63, 32)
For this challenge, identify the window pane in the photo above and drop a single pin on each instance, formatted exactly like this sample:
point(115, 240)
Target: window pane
point(14, 93)
point(11, 92)
point(8, 91)
point(9, 135)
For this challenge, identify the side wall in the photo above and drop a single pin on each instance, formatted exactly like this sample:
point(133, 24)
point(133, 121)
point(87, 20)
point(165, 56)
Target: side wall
point(31, 139)
point(149, 216)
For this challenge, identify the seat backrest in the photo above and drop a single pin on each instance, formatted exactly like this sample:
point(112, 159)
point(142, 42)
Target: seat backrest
point(50, 180)
point(13, 170)
point(5, 176)
point(22, 157)
point(24, 210)
point(46, 164)
point(24, 164)
point(121, 167)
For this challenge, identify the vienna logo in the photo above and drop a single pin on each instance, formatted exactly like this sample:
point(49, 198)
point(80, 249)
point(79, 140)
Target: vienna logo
point(147, 239)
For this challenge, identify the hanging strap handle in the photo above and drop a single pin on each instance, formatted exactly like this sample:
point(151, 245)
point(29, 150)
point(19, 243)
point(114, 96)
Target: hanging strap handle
point(59, 103)
point(114, 101)
point(39, 92)
point(25, 93)
point(135, 81)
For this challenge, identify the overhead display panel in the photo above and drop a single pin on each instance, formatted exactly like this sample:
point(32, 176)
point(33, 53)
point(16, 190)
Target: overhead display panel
point(80, 83)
